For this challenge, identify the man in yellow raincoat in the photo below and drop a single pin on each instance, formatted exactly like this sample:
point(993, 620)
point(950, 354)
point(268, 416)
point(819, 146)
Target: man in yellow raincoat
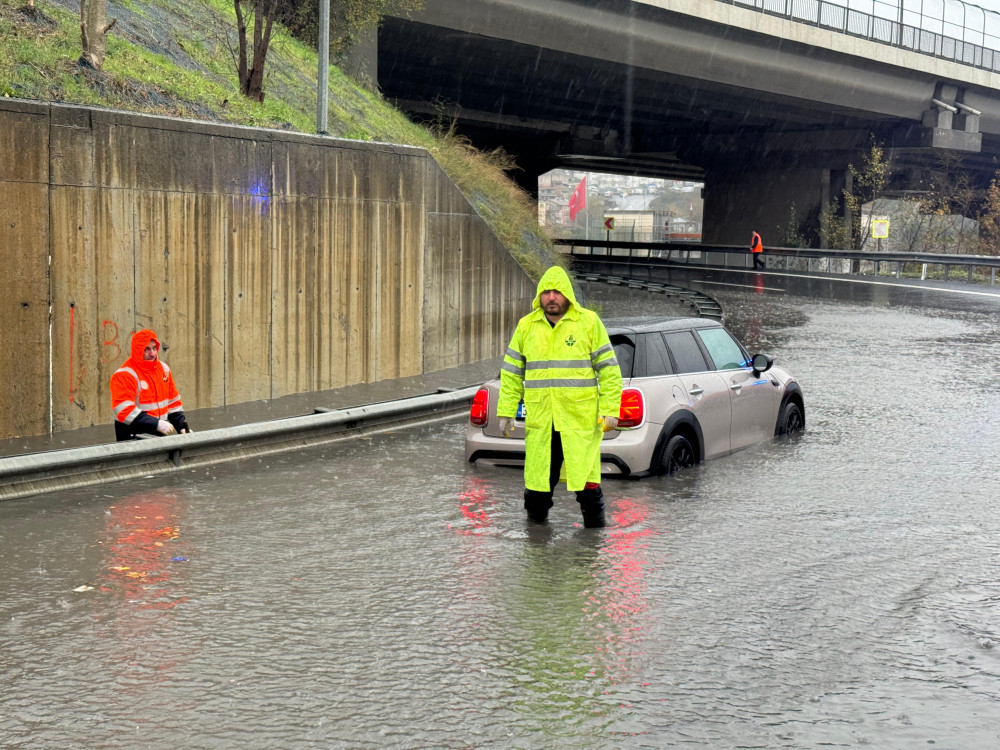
point(561, 363)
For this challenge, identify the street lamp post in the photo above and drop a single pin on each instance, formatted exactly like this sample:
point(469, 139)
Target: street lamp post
point(323, 76)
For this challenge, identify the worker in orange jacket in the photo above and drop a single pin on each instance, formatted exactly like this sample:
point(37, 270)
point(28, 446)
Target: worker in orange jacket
point(757, 251)
point(143, 395)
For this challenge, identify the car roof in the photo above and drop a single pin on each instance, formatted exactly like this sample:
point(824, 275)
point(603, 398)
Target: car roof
point(650, 324)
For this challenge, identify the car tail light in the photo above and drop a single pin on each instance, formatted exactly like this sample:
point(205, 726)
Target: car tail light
point(633, 408)
point(480, 411)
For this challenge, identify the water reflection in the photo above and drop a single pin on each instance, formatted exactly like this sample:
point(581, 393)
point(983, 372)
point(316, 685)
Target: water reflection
point(143, 550)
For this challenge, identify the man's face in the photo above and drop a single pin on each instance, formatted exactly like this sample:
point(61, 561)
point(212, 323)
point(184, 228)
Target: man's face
point(149, 353)
point(554, 303)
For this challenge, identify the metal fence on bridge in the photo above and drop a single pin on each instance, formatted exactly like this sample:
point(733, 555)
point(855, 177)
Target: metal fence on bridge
point(794, 259)
point(961, 32)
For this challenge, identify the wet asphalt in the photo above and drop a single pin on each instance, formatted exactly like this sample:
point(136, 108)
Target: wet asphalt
point(839, 588)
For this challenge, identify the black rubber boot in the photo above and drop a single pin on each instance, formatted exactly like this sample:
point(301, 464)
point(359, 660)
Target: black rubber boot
point(537, 505)
point(591, 501)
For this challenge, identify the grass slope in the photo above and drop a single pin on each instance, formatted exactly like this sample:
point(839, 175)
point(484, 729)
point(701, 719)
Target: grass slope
point(171, 57)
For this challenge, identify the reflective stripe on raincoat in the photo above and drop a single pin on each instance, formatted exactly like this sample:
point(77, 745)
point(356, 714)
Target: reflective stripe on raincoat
point(568, 376)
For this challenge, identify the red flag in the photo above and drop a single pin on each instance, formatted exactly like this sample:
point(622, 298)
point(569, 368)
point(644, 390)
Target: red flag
point(578, 201)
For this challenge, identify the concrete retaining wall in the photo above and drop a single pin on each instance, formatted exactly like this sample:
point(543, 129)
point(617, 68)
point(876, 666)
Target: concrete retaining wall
point(269, 263)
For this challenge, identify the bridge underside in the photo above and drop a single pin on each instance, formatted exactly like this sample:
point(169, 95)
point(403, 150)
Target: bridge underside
point(757, 150)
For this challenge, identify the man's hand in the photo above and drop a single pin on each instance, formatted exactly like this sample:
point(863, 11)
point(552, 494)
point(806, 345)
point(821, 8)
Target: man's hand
point(165, 428)
point(609, 423)
point(506, 426)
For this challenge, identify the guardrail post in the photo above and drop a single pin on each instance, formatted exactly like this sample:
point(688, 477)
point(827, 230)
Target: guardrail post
point(947, 268)
point(993, 276)
point(970, 274)
point(923, 273)
point(899, 269)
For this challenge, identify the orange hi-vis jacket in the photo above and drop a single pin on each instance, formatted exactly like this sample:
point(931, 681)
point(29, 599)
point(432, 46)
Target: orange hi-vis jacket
point(143, 392)
point(756, 246)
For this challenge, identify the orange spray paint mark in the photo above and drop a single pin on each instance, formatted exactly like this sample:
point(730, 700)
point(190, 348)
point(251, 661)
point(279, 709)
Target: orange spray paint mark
point(72, 390)
point(74, 381)
point(111, 340)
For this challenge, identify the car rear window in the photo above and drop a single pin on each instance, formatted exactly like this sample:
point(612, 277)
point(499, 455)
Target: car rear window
point(657, 360)
point(723, 349)
point(624, 353)
point(685, 352)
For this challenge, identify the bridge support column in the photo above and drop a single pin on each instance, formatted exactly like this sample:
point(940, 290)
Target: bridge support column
point(763, 200)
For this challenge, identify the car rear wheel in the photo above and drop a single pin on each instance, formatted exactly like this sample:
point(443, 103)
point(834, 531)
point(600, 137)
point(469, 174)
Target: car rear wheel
point(677, 454)
point(790, 420)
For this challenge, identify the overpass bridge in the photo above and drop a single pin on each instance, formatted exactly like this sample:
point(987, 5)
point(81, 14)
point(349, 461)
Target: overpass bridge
point(766, 108)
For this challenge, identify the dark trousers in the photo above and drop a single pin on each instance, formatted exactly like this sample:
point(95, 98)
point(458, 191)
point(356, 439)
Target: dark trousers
point(758, 260)
point(537, 503)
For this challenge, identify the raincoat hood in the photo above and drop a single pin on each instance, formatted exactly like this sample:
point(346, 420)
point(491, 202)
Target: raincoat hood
point(555, 278)
point(140, 339)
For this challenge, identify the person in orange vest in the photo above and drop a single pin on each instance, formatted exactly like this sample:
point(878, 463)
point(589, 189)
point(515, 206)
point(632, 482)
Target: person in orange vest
point(143, 395)
point(757, 250)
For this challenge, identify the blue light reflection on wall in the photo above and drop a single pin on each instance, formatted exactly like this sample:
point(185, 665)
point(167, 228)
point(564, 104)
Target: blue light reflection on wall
point(261, 196)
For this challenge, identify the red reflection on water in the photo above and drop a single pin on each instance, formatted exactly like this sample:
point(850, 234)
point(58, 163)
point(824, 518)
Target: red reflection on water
point(142, 549)
point(618, 603)
point(475, 505)
point(141, 544)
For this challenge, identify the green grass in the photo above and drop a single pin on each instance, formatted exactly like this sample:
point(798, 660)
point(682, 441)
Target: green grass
point(195, 77)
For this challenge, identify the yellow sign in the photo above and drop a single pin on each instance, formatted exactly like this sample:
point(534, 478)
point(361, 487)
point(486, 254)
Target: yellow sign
point(880, 229)
point(609, 222)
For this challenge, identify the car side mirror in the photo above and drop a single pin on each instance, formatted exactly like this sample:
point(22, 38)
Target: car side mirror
point(761, 363)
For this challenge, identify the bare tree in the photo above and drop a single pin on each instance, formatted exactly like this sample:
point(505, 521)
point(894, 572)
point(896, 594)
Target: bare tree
point(251, 57)
point(989, 219)
point(94, 30)
point(868, 184)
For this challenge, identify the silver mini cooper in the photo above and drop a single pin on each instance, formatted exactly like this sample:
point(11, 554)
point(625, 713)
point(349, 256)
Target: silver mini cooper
point(690, 392)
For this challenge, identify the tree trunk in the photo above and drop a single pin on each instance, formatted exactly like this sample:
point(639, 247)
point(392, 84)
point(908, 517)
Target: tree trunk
point(94, 32)
point(251, 72)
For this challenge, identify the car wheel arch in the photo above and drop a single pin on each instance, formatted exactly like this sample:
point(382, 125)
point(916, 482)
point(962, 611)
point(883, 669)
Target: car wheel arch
point(793, 394)
point(680, 422)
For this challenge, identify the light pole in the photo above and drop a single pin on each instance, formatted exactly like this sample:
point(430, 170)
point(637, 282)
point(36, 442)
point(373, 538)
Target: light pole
point(323, 76)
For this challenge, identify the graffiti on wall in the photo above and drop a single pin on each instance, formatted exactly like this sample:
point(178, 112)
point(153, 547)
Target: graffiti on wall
point(111, 353)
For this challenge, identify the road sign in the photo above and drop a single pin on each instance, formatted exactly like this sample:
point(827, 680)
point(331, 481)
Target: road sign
point(880, 229)
point(609, 222)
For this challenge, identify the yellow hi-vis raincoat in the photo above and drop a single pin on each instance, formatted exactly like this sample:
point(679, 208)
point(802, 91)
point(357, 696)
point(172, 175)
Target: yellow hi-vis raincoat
point(568, 376)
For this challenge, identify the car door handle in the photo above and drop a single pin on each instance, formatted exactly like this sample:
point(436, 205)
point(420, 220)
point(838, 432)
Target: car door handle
point(696, 391)
point(736, 387)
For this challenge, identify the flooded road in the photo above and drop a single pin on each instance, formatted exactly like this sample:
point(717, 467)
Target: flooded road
point(840, 588)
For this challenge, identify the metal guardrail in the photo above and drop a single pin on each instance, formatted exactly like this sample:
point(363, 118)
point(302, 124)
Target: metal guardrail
point(700, 303)
point(35, 473)
point(907, 28)
point(731, 256)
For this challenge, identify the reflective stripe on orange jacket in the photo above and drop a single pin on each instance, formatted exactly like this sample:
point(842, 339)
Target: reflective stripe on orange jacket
point(143, 386)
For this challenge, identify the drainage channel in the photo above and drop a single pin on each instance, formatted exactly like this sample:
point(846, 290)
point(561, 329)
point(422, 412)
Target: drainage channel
point(700, 303)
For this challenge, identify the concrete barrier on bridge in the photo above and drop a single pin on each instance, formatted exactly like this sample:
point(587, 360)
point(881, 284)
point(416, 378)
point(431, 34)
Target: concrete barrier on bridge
point(32, 474)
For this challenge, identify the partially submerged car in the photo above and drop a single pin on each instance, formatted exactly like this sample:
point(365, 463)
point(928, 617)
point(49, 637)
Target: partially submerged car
point(691, 392)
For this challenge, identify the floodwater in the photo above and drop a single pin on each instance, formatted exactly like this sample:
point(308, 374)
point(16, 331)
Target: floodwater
point(840, 588)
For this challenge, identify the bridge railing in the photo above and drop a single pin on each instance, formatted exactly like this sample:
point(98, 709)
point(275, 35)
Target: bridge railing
point(918, 35)
point(848, 262)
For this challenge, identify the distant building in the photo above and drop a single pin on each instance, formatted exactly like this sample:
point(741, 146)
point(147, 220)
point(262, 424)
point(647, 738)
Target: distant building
point(624, 197)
